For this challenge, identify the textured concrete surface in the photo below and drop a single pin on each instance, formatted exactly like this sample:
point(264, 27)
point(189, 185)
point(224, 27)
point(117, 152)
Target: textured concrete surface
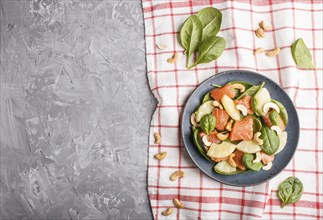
point(75, 110)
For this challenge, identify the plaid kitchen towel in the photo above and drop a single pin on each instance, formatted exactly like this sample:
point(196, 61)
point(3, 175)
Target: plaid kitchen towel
point(172, 83)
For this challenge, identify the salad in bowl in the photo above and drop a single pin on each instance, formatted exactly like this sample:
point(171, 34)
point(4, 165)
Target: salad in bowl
point(239, 127)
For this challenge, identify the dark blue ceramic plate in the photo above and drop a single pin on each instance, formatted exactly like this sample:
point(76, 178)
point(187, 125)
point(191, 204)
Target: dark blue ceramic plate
point(249, 178)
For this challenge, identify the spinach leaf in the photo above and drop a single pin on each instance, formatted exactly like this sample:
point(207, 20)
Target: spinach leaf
point(252, 90)
point(247, 161)
point(207, 123)
point(199, 145)
point(215, 85)
point(245, 84)
point(210, 49)
point(237, 91)
point(256, 126)
point(283, 112)
point(211, 19)
point(191, 35)
point(274, 118)
point(302, 55)
point(207, 97)
point(271, 140)
point(290, 191)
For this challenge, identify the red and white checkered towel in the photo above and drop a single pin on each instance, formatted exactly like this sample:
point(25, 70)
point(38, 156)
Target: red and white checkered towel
point(172, 84)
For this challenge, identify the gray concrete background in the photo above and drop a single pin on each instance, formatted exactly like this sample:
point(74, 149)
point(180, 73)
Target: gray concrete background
point(75, 110)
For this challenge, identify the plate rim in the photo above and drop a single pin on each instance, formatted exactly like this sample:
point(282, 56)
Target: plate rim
point(219, 74)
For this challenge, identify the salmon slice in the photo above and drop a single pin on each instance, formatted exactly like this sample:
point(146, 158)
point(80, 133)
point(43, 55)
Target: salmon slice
point(221, 119)
point(267, 121)
point(266, 158)
point(242, 130)
point(238, 160)
point(246, 101)
point(213, 138)
point(217, 94)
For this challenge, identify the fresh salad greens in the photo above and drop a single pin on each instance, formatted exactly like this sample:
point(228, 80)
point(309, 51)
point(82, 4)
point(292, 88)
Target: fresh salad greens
point(239, 127)
point(198, 33)
point(248, 161)
point(302, 55)
point(211, 19)
point(191, 35)
point(270, 140)
point(290, 191)
point(209, 50)
point(207, 123)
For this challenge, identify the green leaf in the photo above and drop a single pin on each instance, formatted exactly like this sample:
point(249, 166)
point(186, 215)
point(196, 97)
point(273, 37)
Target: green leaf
point(210, 49)
point(256, 125)
point(274, 118)
point(237, 91)
point(302, 55)
point(199, 145)
point(251, 91)
point(191, 35)
point(247, 160)
point(207, 97)
point(290, 191)
point(215, 85)
point(245, 84)
point(283, 112)
point(211, 19)
point(207, 123)
point(271, 140)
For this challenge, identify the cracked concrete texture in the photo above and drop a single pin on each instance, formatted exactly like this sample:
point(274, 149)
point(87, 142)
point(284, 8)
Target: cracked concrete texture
point(75, 110)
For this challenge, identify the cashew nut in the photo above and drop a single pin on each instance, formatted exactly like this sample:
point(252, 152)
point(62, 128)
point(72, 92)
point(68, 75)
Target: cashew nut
point(260, 33)
point(228, 126)
point(238, 86)
point(177, 174)
point(231, 161)
point(258, 158)
point(160, 156)
point(173, 59)
point(193, 120)
point(258, 51)
point(270, 105)
point(217, 104)
point(268, 166)
point(157, 138)
point(222, 136)
point(264, 26)
point(256, 138)
point(219, 159)
point(178, 204)
point(205, 140)
point(161, 46)
point(277, 129)
point(167, 212)
point(274, 52)
point(243, 109)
